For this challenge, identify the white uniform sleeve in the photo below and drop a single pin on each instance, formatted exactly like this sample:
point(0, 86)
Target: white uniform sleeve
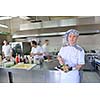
point(32, 50)
point(40, 50)
point(81, 57)
point(11, 49)
point(44, 50)
point(2, 48)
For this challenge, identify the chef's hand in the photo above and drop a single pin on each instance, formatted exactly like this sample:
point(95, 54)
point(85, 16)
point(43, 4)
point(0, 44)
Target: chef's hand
point(78, 67)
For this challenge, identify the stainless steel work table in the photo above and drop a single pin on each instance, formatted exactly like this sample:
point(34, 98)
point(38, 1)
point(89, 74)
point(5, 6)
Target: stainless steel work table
point(39, 74)
point(44, 73)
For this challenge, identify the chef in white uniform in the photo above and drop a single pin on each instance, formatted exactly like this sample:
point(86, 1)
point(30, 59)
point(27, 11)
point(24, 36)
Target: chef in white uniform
point(71, 55)
point(36, 51)
point(45, 49)
point(6, 50)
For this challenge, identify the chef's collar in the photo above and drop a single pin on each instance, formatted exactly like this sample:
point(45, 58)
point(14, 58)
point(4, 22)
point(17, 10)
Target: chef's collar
point(76, 47)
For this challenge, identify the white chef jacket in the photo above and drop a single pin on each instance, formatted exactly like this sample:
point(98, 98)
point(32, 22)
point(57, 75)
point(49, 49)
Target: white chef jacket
point(73, 56)
point(45, 50)
point(38, 49)
point(7, 50)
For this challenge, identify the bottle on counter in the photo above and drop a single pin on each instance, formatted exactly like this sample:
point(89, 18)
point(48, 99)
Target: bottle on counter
point(17, 59)
point(21, 59)
point(36, 60)
point(29, 59)
point(26, 59)
point(32, 60)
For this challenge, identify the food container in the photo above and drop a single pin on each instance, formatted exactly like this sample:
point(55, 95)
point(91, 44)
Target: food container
point(24, 66)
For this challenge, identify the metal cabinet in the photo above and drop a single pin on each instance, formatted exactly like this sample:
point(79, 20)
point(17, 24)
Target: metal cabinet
point(3, 76)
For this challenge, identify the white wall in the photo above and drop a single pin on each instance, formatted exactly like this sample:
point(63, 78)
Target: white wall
point(88, 42)
point(55, 43)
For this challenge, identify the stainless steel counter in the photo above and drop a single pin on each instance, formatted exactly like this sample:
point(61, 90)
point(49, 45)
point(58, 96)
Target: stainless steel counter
point(40, 74)
point(3, 76)
point(44, 73)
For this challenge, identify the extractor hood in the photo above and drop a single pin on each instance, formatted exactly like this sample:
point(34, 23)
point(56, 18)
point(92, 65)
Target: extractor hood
point(84, 25)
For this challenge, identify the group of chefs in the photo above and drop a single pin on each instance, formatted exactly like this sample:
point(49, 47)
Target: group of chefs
point(37, 51)
point(70, 55)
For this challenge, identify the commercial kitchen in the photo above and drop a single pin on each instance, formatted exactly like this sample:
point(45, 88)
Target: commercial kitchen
point(19, 31)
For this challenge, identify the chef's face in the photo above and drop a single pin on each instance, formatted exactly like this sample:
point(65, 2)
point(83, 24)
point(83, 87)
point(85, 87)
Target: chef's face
point(5, 42)
point(72, 38)
point(47, 42)
point(33, 45)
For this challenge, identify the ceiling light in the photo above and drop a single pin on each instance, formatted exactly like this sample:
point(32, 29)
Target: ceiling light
point(23, 17)
point(6, 17)
point(4, 26)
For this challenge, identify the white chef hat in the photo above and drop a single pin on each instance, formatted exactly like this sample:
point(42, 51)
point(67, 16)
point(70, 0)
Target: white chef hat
point(71, 31)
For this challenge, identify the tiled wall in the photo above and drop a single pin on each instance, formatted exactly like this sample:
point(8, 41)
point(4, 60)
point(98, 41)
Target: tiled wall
point(88, 42)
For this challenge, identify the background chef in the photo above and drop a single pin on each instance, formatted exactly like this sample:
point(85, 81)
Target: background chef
point(6, 50)
point(45, 49)
point(36, 51)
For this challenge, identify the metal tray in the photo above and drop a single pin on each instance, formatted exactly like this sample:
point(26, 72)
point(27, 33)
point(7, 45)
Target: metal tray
point(23, 66)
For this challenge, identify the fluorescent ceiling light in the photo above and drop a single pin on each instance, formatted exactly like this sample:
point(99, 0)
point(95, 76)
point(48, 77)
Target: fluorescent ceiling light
point(45, 34)
point(4, 26)
point(21, 36)
point(50, 34)
point(23, 17)
point(4, 18)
